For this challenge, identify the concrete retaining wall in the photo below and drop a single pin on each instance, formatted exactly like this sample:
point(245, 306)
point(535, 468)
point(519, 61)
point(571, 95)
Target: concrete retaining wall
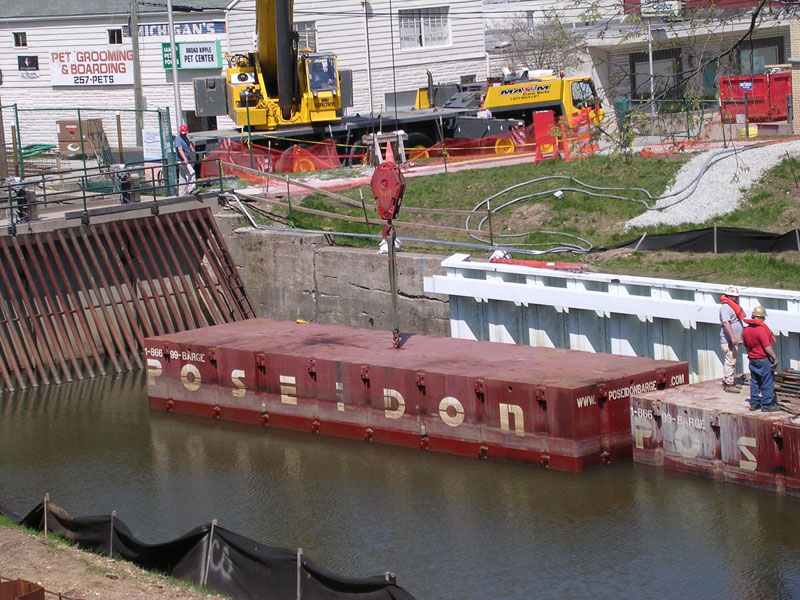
point(291, 276)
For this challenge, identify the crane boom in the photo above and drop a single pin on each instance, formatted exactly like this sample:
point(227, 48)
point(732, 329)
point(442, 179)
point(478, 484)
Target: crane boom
point(277, 50)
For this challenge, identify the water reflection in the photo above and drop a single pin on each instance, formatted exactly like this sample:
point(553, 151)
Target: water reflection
point(449, 527)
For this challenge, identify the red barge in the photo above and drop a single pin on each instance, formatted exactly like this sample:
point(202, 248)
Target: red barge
point(701, 430)
point(560, 409)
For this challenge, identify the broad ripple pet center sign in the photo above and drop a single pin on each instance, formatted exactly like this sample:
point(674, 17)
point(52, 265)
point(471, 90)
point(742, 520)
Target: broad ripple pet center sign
point(92, 66)
point(194, 55)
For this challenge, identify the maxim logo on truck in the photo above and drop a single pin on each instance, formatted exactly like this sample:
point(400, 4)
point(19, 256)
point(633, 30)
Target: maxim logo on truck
point(545, 87)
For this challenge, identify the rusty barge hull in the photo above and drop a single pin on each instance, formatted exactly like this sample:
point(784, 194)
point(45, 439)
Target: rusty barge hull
point(559, 409)
point(701, 430)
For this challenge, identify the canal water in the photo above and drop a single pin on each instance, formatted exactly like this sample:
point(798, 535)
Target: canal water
point(449, 527)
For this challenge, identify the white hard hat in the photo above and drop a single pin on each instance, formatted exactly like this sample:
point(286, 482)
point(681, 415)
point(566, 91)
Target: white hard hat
point(731, 290)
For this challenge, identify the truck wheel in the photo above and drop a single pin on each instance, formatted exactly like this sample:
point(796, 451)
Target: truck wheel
point(504, 146)
point(304, 165)
point(417, 144)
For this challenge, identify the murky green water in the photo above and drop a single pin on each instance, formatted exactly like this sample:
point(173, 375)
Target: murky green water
point(449, 527)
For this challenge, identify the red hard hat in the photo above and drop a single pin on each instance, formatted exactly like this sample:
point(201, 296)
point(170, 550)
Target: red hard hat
point(183, 129)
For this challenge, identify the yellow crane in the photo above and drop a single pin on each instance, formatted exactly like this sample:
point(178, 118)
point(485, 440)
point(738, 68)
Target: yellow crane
point(278, 83)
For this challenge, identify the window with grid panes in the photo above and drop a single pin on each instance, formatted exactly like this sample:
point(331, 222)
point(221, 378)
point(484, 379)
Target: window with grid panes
point(423, 28)
point(307, 33)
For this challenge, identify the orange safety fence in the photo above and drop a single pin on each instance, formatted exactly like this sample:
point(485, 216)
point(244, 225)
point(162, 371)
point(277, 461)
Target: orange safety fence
point(294, 160)
point(546, 137)
point(578, 135)
point(517, 140)
point(543, 264)
point(667, 148)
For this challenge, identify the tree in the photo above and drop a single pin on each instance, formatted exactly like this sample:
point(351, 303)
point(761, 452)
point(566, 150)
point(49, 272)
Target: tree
point(546, 43)
point(661, 69)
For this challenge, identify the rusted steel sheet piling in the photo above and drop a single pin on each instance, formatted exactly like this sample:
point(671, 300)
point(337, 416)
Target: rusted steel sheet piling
point(76, 300)
point(560, 409)
point(702, 430)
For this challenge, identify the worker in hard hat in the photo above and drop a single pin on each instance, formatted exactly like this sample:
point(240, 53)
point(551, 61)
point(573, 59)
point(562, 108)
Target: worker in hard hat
point(184, 158)
point(758, 338)
point(731, 318)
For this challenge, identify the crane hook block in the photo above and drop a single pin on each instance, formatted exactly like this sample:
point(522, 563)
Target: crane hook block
point(388, 186)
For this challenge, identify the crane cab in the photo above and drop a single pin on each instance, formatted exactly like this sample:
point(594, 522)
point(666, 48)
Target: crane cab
point(322, 94)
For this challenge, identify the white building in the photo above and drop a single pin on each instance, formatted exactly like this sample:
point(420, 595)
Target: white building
point(444, 37)
point(81, 56)
point(57, 54)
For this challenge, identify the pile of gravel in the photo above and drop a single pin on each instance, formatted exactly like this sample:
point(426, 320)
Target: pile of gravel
point(718, 191)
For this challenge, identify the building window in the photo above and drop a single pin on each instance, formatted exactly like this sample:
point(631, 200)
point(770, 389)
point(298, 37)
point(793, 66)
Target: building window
point(115, 36)
point(20, 39)
point(307, 34)
point(754, 55)
point(666, 74)
point(424, 28)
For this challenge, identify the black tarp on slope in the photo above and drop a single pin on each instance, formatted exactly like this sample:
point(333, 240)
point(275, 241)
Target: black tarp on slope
point(212, 556)
point(728, 239)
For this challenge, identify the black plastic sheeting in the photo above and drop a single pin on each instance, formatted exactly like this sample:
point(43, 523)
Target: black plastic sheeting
point(728, 239)
point(215, 558)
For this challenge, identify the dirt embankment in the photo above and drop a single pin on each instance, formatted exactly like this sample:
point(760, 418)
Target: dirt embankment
point(61, 568)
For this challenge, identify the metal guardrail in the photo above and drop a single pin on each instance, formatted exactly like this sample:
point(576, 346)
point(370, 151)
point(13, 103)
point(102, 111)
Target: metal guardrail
point(123, 184)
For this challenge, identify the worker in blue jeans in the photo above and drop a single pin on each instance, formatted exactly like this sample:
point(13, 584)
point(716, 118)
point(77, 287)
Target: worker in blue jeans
point(757, 338)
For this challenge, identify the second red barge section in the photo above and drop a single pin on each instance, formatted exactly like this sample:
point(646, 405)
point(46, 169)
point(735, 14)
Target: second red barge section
point(559, 409)
point(700, 429)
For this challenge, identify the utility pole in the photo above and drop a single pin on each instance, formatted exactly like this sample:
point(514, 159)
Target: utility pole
point(174, 51)
point(138, 104)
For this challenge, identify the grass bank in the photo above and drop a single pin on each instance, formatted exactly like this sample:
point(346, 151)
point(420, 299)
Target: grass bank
point(59, 565)
point(436, 207)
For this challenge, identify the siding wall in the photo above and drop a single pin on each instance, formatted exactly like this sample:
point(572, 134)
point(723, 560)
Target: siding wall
point(72, 35)
point(341, 30)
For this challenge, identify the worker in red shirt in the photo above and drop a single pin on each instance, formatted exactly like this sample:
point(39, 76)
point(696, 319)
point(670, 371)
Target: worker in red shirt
point(758, 338)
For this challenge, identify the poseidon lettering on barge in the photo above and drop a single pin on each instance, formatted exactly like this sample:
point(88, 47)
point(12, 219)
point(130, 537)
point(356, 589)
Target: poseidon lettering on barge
point(282, 388)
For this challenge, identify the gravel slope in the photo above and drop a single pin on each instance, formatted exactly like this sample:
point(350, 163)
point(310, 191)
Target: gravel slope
point(719, 190)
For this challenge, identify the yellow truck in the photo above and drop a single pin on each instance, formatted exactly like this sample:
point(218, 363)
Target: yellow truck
point(518, 97)
point(568, 96)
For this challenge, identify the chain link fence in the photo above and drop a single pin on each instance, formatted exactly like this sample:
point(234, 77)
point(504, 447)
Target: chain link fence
point(39, 141)
point(684, 122)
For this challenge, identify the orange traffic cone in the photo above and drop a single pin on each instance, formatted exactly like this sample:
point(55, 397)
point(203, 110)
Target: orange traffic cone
point(389, 153)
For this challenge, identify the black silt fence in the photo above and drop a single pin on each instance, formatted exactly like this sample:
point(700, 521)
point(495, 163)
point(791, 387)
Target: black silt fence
point(214, 558)
point(719, 240)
